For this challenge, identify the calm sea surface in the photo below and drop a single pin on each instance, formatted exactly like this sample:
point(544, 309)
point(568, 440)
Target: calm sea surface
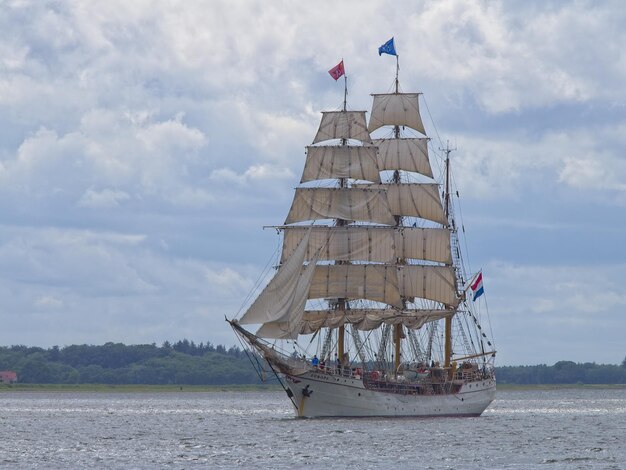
point(522, 429)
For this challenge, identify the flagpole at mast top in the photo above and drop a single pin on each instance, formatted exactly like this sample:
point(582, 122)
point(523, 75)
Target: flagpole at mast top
point(390, 48)
point(336, 72)
point(397, 73)
point(345, 91)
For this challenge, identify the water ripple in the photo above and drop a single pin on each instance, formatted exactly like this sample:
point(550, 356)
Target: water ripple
point(522, 429)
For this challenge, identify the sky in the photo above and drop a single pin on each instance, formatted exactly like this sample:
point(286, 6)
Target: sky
point(145, 144)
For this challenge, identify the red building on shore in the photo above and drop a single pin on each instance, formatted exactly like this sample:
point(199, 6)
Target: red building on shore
point(8, 377)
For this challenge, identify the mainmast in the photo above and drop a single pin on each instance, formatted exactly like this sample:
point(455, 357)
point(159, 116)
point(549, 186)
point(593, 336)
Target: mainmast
point(410, 154)
point(398, 333)
point(343, 183)
point(446, 207)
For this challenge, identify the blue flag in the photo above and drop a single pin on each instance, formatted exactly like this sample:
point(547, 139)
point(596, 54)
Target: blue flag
point(387, 48)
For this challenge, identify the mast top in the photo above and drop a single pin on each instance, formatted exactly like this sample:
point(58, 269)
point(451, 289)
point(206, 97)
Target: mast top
point(390, 48)
point(397, 73)
point(345, 92)
point(447, 150)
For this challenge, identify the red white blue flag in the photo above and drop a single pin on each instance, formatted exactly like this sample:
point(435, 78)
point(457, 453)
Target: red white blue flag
point(477, 286)
point(337, 71)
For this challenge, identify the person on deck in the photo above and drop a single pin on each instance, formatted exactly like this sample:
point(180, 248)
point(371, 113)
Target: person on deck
point(345, 361)
point(315, 361)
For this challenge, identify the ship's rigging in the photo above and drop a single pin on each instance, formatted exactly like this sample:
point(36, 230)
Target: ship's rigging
point(370, 267)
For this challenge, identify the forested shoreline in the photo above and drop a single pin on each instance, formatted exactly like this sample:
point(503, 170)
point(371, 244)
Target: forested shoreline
point(183, 362)
point(563, 372)
point(188, 363)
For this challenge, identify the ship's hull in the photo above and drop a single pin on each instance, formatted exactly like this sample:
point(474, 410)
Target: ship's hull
point(317, 394)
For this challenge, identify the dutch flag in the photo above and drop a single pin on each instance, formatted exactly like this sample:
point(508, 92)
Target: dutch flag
point(477, 286)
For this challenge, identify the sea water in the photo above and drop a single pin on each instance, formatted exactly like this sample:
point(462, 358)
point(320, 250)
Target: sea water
point(553, 429)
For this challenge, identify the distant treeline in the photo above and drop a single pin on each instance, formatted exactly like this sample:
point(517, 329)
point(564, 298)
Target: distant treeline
point(183, 362)
point(563, 372)
point(187, 363)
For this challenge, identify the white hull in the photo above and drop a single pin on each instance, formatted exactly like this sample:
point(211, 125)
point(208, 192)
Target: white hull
point(330, 395)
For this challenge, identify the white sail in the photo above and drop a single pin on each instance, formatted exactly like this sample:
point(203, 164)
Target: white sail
point(342, 125)
point(341, 161)
point(289, 325)
point(283, 293)
point(374, 244)
point(368, 319)
point(404, 154)
point(396, 109)
point(413, 199)
point(365, 281)
point(429, 282)
point(384, 283)
point(363, 204)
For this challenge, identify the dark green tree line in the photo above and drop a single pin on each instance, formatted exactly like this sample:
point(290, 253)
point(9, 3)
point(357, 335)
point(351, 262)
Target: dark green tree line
point(183, 362)
point(186, 362)
point(564, 372)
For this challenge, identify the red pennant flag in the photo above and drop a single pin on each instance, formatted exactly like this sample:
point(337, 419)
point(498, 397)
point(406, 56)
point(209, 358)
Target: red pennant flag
point(337, 71)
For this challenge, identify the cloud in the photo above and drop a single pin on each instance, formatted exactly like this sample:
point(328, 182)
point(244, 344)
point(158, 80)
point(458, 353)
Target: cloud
point(566, 305)
point(89, 262)
point(256, 173)
point(495, 167)
point(515, 57)
point(49, 302)
point(143, 144)
point(594, 171)
point(562, 287)
point(140, 157)
point(105, 198)
point(105, 284)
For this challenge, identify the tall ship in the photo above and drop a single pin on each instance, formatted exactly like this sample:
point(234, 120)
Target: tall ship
point(371, 310)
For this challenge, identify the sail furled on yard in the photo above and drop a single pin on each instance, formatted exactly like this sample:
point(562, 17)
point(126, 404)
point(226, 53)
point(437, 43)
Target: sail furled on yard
point(341, 161)
point(342, 125)
point(370, 243)
point(288, 289)
point(369, 319)
point(408, 154)
point(362, 204)
point(413, 199)
point(396, 109)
